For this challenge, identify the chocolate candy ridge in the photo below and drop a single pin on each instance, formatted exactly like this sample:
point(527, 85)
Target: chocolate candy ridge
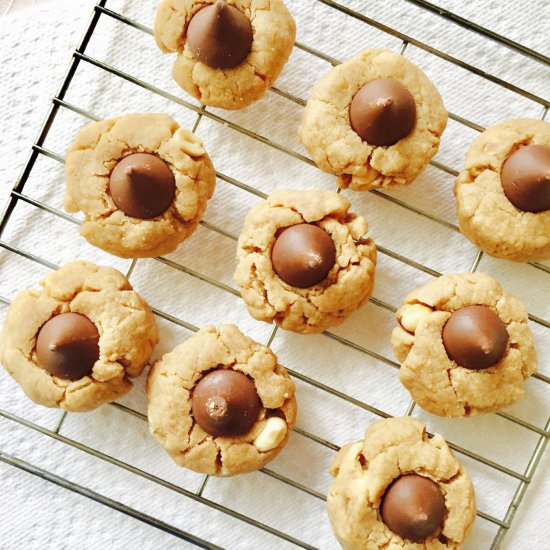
point(67, 346)
point(220, 35)
point(142, 185)
point(225, 403)
point(475, 337)
point(525, 178)
point(382, 112)
point(413, 507)
point(303, 255)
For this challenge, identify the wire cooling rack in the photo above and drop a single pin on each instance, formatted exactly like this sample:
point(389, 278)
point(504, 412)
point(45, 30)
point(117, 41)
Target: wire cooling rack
point(519, 478)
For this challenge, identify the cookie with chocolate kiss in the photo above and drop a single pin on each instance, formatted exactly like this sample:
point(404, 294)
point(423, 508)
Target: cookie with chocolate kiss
point(399, 488)
point(141, 182)
point(220, 404)
point(305, 261)
point(228, 53)
point(464, 345)
point(77, 342)
point(375, 120)
point(503, 192)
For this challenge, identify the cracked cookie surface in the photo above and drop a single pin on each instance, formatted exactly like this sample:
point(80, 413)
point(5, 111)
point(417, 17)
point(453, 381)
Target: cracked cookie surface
point(336, 148)
point(170, 385)
point(348, 284)
point(364, 470)
point(126, 326)
point(485, 214)
point(88, 165)
point(273, 30)
point(437, 383)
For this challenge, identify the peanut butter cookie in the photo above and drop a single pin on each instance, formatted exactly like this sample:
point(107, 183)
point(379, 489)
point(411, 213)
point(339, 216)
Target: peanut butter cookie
point(220, 404)
point(229, 53)
point(75, 343)
point(141, 181)
point(399, 489)
point(305, 262)
point(464, 345)
point(374, 121)
point(503, 195)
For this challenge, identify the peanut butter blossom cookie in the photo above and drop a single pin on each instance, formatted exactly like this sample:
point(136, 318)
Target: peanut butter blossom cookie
point(75, 343)
point(503, 195)
point(464, 345)
point(141, 181)
point(400, 489)
point(305, 262)
point(374, 121)
point(229, 53)
point(220, 404)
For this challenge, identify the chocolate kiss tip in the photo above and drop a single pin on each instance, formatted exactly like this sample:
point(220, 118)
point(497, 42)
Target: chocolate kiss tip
point(217, 406)
point(220, 7)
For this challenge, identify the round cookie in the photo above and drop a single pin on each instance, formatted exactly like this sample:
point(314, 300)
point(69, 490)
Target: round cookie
point(399, 477)
point(339, 259)
point(503, 223)
point(388, 100)
point(75, 343)
point(228, 53)
point(464, 345)
point(220, 404)
point(141, 181)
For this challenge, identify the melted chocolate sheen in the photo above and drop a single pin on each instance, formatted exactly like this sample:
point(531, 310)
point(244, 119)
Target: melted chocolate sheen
point(413, 507)
point(225, 403)
point(142, 186)
point(303, 254)
point(220, 35)
point(475, 337)
point(67, 346)
point(525, 178)
point(382, 112)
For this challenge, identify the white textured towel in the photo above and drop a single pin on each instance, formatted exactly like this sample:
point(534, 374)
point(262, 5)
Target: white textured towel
point(36, 45)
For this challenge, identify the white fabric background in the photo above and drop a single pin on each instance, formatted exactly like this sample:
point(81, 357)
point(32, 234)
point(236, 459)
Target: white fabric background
point(11, 6)
point(36, 48)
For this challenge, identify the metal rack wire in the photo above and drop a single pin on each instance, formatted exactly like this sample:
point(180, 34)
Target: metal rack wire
point(59, 103)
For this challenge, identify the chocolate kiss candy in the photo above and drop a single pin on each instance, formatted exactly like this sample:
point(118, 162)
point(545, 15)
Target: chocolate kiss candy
point(220, 35)
point(67, 346)
point(225, 403)
point(475, 337)
point(382, 112)
point(525, 178)
point(303, 254)
point(413, 507)
point(142, 185)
